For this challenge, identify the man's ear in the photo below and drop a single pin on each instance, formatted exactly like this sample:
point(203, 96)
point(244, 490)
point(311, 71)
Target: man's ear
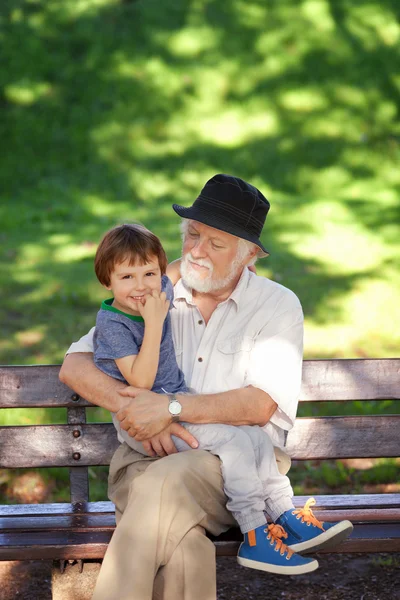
point(252, 253)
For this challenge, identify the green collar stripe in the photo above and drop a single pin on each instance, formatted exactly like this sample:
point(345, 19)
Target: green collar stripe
point(107, 305)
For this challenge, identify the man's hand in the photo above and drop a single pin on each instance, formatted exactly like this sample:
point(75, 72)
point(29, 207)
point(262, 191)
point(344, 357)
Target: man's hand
point(145, 415)
point(162, 444)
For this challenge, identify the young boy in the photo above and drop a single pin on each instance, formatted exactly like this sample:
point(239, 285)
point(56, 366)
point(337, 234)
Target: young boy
point(133, 343)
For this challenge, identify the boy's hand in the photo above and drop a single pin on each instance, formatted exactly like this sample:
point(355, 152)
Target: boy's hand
point(155, 308)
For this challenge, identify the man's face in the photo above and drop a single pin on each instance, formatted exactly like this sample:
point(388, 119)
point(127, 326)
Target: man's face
point(209, 258)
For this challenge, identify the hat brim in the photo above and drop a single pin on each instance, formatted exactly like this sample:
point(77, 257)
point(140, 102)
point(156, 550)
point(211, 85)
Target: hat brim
point(211, 220)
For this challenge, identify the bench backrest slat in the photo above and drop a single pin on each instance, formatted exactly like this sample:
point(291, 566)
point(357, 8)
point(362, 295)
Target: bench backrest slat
point(350, 379)
point(323, 380)
point(311, 438)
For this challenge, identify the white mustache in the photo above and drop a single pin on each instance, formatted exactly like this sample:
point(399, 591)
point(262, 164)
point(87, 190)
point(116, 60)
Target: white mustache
point(201, 262)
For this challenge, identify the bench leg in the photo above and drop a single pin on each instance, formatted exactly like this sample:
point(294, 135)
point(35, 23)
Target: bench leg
point(73, 583)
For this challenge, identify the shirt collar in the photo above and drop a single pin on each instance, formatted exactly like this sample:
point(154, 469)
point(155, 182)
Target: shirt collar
point(181, 292)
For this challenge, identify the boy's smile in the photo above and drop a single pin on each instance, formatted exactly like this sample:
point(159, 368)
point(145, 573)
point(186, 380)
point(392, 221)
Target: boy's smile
point(131, 284)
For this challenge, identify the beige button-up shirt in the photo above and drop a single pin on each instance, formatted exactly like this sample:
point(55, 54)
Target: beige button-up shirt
point(255, 337)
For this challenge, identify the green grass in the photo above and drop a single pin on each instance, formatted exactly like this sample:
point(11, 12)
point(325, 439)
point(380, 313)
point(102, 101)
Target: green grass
point(112, 110)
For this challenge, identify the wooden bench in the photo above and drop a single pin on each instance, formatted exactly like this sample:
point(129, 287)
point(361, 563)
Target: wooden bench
point(80, 530)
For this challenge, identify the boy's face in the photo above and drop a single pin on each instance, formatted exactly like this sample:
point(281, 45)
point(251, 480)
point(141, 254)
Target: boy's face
point(131, 284)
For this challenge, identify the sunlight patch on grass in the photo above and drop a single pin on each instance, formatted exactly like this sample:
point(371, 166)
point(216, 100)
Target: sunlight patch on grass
point(303, 100)
point(342, 244)
point(350, 96)
point(78, 8)
point(192, 41)
point(380, 21)
point(366, 325)
point(250, 14)
point(232, 128)
point(318, 13)
point(26, 92)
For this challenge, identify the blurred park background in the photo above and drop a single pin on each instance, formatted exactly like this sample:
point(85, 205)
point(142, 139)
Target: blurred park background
point(112, 110)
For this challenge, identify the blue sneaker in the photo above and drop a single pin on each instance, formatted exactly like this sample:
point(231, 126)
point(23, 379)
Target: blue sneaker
point(264, 549)
point(307, 534)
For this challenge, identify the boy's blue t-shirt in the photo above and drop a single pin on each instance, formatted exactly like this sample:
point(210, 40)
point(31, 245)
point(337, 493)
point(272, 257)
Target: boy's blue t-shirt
point(118, 334)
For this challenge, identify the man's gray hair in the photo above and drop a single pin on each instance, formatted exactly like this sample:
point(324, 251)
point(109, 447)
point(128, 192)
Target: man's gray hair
point(244, 246)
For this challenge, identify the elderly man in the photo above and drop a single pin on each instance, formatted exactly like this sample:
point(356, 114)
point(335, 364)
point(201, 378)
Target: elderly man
point(238, 340)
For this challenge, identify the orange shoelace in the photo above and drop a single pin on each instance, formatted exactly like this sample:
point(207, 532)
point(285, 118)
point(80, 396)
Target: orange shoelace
point(275, 533)
point(306, 514)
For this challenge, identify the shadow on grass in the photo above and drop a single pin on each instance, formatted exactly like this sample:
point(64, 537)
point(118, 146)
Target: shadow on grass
point(114, 111)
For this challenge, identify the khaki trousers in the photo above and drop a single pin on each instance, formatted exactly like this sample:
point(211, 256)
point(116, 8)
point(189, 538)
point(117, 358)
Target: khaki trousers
point(159, 550)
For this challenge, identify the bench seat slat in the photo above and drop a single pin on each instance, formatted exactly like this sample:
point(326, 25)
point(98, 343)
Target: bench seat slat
point(102, 522)
point(328, 502)
point(365, 538)
point(91, 545)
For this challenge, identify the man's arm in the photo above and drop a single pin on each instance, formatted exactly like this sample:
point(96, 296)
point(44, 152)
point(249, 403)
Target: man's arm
point(81, 374)
point(149, 414)
point(244, 406)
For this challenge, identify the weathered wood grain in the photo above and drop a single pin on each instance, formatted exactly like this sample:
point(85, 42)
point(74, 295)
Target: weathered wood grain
point(78, 476)
point(35, 386)
point(102, 522)
point(311, 438)
point(344, 437)
point(328, 502)
point(382, 537)
point(323, 380)
point(56, 446)
point(83, 529)
point(350, 379)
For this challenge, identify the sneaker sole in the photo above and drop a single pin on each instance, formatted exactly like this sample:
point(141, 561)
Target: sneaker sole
point(278, 570)
point(329, 538)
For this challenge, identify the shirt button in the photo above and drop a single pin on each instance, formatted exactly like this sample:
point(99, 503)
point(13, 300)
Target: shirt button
point(200, 359)
point(200, 322)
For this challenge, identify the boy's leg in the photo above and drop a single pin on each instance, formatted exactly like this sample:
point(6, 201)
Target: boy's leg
point(305, 533)
point(262, 548)
point(160, 503)
point(278, 492)
point(238, 466)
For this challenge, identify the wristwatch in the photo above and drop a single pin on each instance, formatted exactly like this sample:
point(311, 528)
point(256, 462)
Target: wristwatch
point(174, 407)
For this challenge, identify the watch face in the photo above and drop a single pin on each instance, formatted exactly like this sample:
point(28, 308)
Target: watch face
point(175, 407)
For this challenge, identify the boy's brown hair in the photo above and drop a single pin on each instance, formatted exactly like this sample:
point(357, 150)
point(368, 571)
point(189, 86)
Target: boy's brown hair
point(131, 242)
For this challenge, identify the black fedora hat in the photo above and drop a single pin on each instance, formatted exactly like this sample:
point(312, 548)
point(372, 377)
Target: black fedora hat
point(230, 204)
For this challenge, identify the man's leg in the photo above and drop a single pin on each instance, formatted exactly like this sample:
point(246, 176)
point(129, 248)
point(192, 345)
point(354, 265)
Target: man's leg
point(159, 504)
point(184, 574)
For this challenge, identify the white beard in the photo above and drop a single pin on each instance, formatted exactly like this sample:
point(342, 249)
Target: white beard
point(204, 285)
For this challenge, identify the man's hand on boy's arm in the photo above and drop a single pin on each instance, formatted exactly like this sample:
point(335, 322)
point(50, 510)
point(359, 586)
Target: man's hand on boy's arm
point(148, 415)
point(174, 271)
point(162, 443)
